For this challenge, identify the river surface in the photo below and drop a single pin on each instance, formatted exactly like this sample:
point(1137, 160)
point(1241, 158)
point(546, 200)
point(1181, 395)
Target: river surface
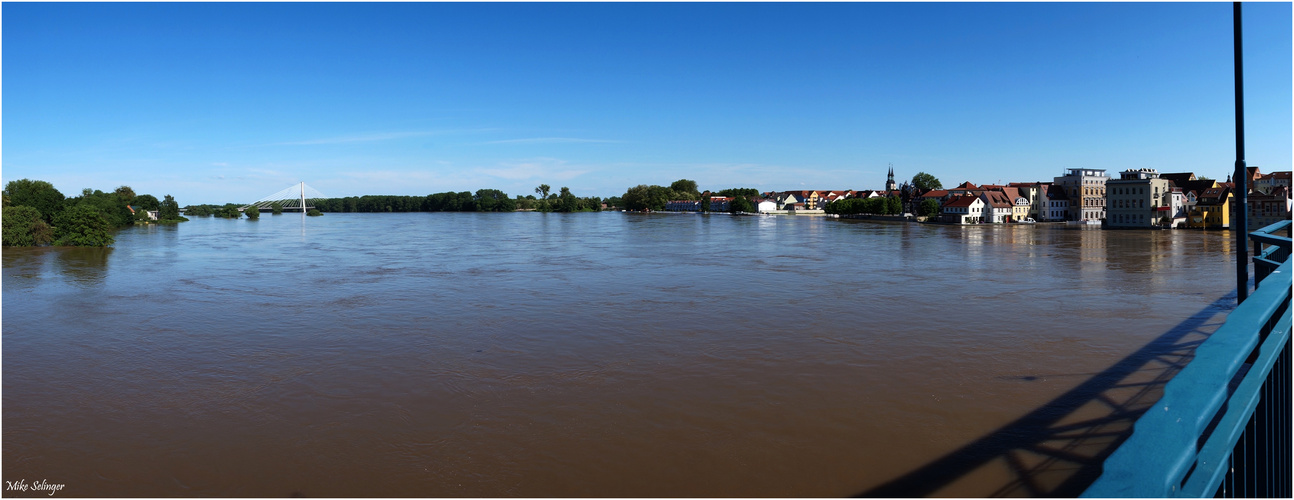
point(611, 354)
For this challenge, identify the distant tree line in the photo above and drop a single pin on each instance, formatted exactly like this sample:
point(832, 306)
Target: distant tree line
point(484, 200)
point(35, 214)
point(562, 201)
point(654, 197)
point(877, 206)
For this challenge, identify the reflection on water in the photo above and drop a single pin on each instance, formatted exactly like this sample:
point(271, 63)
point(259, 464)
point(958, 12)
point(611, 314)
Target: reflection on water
point(86, 267)
point(608, 354)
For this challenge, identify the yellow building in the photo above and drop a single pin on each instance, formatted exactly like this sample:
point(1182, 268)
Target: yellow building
point(1212, 209)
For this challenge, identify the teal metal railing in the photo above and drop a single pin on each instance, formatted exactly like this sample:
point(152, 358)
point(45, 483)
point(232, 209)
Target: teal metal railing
point(1222, 427)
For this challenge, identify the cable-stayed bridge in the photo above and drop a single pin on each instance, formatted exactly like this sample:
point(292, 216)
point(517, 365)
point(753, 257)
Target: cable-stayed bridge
point(294, 198)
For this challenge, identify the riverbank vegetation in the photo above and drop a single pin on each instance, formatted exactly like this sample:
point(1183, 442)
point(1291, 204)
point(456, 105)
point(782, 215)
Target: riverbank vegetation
point(875, 206)
point(484, 200)
point(653, 197)
point(35, 214)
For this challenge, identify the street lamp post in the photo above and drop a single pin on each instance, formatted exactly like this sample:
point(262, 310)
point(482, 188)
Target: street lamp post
point(1240, 222)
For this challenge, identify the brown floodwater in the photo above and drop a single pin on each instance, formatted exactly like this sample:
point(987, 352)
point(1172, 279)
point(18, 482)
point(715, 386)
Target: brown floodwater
point(589, 354)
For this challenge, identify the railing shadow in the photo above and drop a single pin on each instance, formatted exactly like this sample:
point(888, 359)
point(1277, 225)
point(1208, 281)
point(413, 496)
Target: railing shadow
point(1058, 448)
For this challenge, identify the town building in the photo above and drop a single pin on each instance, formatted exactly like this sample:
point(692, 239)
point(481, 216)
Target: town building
point(997, 207)
point(1138, 198)
point(1036, 193)
point(1057, 204)
point(682, 206)
point(1213, 208)
point(1019, 204)
point(1265, 184)
point(1085, 188)
point(964, 210)
point(1270, 208)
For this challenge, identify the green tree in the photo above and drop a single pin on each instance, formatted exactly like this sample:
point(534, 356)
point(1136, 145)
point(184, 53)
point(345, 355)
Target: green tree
point(170, 210)
point(84, 226)
point(125, 193)
point(146, 202)
point(39, 195)
point(566, 201)
point(735, 192)
point(741, 204)
point(925, 182)
point(314, 212)
point(24, 227)
point(929, 207)
point(110, 206)
point(493, 200)
point(685, 189)
point(543, 190)
point(276, 208)
point(252, 213)
point(644, 197)
point(198, 210)
point(893, 205)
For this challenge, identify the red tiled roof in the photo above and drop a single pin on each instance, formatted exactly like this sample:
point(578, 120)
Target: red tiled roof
point(961, 201)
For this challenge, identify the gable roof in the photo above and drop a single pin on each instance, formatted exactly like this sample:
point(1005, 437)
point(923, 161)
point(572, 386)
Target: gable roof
point(997, 199)
point(1056, 193)
point(962, 201)
point(1012, 193)
point(1179, 178)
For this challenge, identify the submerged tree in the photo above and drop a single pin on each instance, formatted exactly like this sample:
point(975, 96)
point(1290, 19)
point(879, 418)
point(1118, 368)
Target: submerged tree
point(39, 195)
point(24, 227)
point(83, 226)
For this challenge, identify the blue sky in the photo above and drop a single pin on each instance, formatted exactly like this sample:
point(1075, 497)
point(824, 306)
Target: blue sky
point(229, 102)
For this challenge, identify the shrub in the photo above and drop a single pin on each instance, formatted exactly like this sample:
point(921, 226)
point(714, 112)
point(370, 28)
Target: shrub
point(314, 212)
point(82, 226)
point(24, 227)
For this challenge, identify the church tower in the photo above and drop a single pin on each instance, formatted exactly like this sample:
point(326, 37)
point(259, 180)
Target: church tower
point(889, 181)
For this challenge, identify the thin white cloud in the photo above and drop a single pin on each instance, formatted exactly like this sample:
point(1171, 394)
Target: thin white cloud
point(373, 137)
point(549, 140)
point(541, 168)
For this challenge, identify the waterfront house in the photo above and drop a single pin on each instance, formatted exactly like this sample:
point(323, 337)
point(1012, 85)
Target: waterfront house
point(939, 195)
point(964, 210)
point(765, 206)
point(997, 207)
point(682, 206)
point(1213, 208)
point(1057, 204)
point(1020, 204)
point(1139, 198)
point(720, 203)
point(1085, 188)
point(1266, 183)
point(1270, 208)
point(1035, 192)
point(803, 200)
point(964, 189)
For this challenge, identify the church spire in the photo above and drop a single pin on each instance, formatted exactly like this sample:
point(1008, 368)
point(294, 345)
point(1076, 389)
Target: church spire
point(890, 185)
